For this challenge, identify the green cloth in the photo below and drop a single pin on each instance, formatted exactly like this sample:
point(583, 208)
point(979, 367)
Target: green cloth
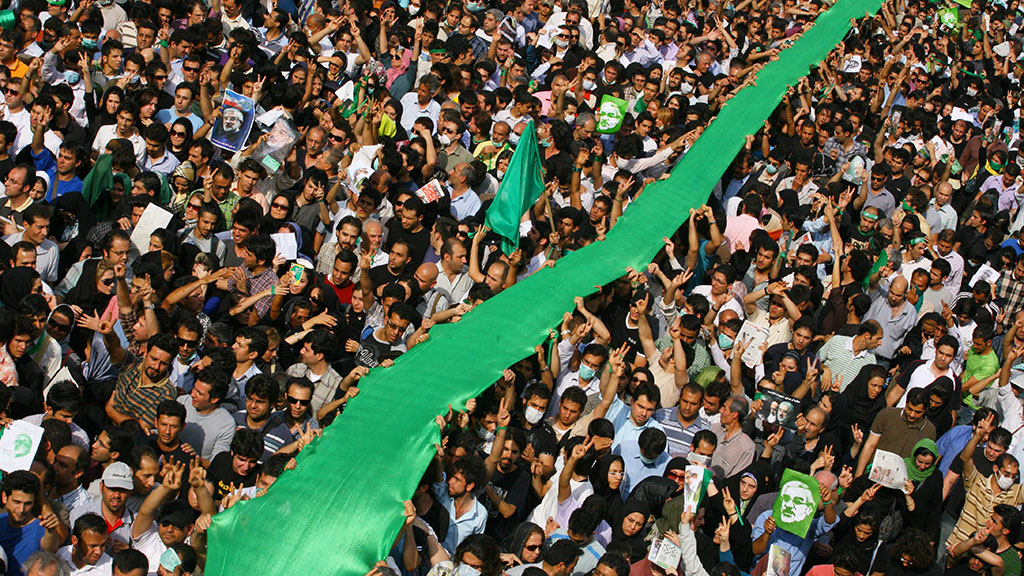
point(883, 259)
point(913, 472)
point(797, 503)
point(340, 511)
point(95, 187)
point(978, 366)
point(519, 189)
point(610, 114)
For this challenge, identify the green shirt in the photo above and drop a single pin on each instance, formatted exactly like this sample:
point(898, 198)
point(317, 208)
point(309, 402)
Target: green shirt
point(1011, 562)
point(979, 366)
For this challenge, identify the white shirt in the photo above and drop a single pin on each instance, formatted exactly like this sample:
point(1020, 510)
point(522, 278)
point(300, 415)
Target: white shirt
point(103, 567)
point(109, 132)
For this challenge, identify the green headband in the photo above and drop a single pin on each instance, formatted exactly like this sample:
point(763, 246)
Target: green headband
point(918, 240)
point(870, 216)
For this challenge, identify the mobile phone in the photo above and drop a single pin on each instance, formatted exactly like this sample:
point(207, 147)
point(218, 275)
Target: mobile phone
point(297, 271)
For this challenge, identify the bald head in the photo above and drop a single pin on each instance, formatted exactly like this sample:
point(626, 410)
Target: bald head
point(426, 276)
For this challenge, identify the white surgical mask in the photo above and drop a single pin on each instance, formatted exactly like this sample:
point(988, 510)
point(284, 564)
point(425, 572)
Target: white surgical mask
point(686, 88)
point(1004, 482)
point(466, 570)
point(413, 9)
point(698, 459)
point(589, 85)
point(444, 139)
point(561, 43)
point(485, 434)
point(570, 118)
point(532, 415)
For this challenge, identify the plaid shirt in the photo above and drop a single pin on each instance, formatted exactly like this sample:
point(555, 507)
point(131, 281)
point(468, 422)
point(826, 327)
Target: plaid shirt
point(257, 284)
point(843, 156)
point(1010, 291)
point(135, 399)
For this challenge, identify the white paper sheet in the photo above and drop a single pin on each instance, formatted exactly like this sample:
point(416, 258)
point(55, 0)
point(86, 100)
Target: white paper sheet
point(152, 219)
point(18, 445)
point(286, 245)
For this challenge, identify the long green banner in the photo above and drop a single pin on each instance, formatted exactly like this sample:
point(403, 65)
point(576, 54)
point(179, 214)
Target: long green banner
point(339, 512)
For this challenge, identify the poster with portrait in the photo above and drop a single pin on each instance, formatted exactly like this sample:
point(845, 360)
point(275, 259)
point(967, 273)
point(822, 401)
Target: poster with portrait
point(796, 504)
point(888, 469)
point(695, 486)
point(757, 335)
point(778, 408)
point(778, 561)
point(18, 445)
point(277, 144)
point(232, 128)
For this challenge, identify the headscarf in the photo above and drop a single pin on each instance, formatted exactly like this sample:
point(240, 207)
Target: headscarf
point(599, 480)
point(861, 409)
point(84, 293)
point(836, 421)
point(913, 472)
point(635, 542)
point(75, 203)
point(15, 284)
point(941, 417)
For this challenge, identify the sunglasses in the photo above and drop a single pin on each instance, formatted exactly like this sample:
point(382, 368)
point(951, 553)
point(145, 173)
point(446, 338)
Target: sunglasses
point(533, 548)
point(337, 137)
point(300, 402)
point(54, 325)
point(107, 281)
point(195, 206)
point(190, 69)
point(12, 91)
point(166, 523)
point(179, 134)
point(279, 206)
point(187, 343)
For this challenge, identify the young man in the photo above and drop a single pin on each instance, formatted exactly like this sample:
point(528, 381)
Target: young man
point(203, 237)
point(22, 532)
point(237, 467)
point(124, 128)
point(208, 426)
point(170, 421)
point(261, 396)
point(17, 187)
point(314, 367)
point(466, 514)
point(142, 382)
point(115, 488)
point(36, 223)
point(184, 94)
point(250, 344)
point(257, 273)
point(157, 158)
point(294, 420)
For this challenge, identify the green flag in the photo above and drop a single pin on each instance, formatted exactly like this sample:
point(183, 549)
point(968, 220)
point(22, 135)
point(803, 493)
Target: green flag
point(882, 260)
point(797, 503)
point(610, 114)
point(519, 189)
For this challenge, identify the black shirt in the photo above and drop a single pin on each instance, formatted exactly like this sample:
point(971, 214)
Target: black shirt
point(223, 476)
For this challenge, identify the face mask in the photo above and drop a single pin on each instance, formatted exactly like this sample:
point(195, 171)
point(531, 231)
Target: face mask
point(724, 341)
point(589, 85)
point(972, 92)
point(686, 88)
point(376, 163)
point(771, 169)
point(647, 461)
point(104, 2)
point(586, 372)
point(561, 43)
point(465, 570)
point(46, 46)
point(88, 44)
point(474, 6)
point(698, 459)
point(485, 435)
point(500, 174)
point(570, 118)
point(444, 140)
point(414, 10)
point(72, 77)
point(532, 415)
point(1004, 482)
point(545, 143)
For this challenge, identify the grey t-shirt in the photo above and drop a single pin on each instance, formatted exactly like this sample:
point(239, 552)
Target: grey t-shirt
point(209, 434)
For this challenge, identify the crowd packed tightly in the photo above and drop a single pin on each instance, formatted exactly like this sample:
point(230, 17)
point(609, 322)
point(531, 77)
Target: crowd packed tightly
point(218, 218)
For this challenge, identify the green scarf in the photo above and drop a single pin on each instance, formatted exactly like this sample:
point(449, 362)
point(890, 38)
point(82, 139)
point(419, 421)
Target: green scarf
point(913, 472)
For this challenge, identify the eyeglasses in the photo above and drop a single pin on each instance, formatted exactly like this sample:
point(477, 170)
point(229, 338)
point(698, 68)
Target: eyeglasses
point(166, 523)
point(533, 548)
point(194, 206)
point(179, 134)
point(299, 401)
point(11, 91)
point(279, 206)
point(160, 77)
point(187, 343)
point(54, 325)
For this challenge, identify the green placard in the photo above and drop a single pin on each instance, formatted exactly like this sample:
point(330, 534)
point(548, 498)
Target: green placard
point(797, 503)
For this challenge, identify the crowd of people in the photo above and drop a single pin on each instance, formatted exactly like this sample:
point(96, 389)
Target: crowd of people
point(179, 319)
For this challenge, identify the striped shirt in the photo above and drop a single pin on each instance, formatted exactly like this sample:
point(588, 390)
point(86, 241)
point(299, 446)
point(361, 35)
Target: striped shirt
point(679, 438)
point(979, 505)
point(838, 355)
point(135, 399)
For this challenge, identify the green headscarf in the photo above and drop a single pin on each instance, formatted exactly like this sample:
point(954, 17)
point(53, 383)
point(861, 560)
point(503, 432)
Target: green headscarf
point(913, 472)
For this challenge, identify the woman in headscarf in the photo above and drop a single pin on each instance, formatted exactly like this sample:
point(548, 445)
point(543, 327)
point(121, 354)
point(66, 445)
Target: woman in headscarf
point(864, 397)
point(94, 291)
point(743, 490)
point(628, 527)
point(941, 406)
point(180, 138)
point(927, 494)
point(69, 228)
point(190, 213)
point(606, 477)
point(524, 545)
point(17, 283)
point(182, 182)
point(280, 212)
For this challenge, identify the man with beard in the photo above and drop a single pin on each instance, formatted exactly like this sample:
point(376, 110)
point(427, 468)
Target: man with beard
point(347, 232)
point(506, 493)
point(117, 484)
point(142, 383)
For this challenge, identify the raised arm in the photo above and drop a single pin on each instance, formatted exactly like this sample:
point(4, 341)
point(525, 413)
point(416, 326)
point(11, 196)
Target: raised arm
point(171, 476)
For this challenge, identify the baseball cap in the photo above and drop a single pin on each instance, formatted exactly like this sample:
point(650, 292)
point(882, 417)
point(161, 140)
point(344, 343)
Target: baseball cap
point(118, 475)
point(178, 513)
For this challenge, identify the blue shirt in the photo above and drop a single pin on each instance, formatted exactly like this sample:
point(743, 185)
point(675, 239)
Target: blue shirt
point(626, 432)
point(19, 543)
point(636, 469)
point(168, 116)
point(951, 444)
point(472, 522)
point(46, 162)
point(797, 547)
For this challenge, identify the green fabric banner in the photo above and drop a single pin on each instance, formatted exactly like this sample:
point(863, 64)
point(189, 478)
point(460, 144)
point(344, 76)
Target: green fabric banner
point(519, 189)
point(340, 511)
point(797, 503)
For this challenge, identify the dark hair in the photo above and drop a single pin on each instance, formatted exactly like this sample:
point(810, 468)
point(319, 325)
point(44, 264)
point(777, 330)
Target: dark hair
point(650, 390)
point(262, 247)
point(129, 560)
point(257, 338)
point(57, 433)
point(219, 381)
point(917, 397)
point(870, 327)
point(562, 552)
point(120, 441)
point(89, 523)
point(1000, 437)
point(275, 465)
point(35, 212)
point(950, 341)
point(485, 548)
point(247, 443)
point(64, 395)
point(472, 468)
point(263, 386)
point(575, 394)
point(173, 409)
point(652, 441)
point(617, 563)
point(22, 481)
